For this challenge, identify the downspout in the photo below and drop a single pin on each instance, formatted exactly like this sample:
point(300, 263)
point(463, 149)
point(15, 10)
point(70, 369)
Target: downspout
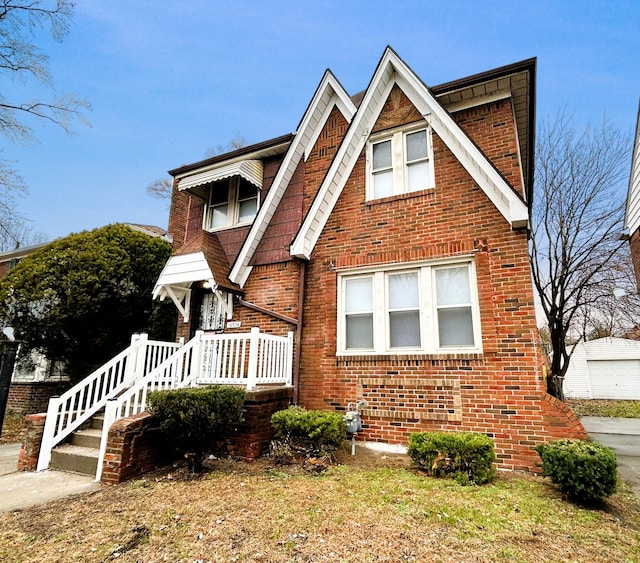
point(296, 322)
point(298, 342)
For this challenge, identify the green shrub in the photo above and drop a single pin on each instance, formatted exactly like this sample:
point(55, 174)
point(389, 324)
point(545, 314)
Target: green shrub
point(314, 433)
point(584, 471)
point(193, 417)
point(465, 456)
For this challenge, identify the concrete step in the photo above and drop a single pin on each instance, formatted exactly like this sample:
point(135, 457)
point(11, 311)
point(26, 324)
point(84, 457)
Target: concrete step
point(87, 437)
point(97, 421)
point(76, 459)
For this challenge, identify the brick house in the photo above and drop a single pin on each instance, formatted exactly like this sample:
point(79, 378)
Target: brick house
point(389, 232)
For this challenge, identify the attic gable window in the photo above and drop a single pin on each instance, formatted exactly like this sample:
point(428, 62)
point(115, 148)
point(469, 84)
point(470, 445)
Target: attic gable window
point(400, 162)
point(232, 202)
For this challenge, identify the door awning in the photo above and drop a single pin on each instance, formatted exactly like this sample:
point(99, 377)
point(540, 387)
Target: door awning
point(177, 276)
point(250, 170)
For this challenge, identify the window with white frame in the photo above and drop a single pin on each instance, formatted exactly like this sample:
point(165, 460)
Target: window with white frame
point(420, 309)
point(400, 162)
point(232, 202)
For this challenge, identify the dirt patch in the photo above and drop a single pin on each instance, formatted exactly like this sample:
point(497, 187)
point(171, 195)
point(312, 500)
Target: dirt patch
point(12, 428)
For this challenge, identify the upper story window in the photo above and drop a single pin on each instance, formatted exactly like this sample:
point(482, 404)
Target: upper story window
point(232, 202)
point(423, 309)
point(400, 162)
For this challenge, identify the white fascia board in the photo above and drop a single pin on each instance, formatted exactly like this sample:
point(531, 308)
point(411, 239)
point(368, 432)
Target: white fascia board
point(390, 71)
point(510, 205)
point(632, 210)
point(329, 93)
point(342, 165)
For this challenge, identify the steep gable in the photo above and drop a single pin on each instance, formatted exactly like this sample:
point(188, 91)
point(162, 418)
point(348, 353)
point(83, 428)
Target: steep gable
point(329, 95)
point(392, 72)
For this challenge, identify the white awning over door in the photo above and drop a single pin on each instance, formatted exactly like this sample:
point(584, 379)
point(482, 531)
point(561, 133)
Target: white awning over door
point(177, 277)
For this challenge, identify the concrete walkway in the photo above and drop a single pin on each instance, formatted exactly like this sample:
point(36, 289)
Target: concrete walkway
point(22, 489)
point(622, 435)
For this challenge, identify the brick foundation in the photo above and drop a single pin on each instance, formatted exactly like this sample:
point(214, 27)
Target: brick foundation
point(136, 445)
point(252, 437)
point(33, 397)
point(31, 440)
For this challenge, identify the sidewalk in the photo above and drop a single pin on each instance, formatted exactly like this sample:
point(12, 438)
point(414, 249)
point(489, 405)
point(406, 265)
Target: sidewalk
point(22, 489)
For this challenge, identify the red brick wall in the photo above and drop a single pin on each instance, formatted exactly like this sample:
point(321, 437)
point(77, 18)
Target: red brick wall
point(274, 287)
point(499, 391)
point(33, 397)
point(31, 440)
point(135, 445)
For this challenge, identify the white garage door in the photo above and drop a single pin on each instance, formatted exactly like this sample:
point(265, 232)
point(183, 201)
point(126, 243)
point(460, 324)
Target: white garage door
point(615, 379)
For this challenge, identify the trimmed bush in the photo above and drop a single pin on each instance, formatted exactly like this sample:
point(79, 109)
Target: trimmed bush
point(467, 457)
point(312, 432)
point(193, 417)
point(584, 471)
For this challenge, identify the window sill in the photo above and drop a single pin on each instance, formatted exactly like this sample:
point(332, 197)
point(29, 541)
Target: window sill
point(425, 357)
point(228, 228)
point(403, 196)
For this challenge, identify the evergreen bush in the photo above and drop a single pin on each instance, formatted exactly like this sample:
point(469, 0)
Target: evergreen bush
point(312, 432)
point(194, 417)
point(467, 457)
point(584, 471)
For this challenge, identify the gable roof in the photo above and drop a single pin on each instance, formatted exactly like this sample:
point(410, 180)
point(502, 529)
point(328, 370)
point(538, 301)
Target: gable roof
point(632, 212)
point(328, 95)
point(391, 71)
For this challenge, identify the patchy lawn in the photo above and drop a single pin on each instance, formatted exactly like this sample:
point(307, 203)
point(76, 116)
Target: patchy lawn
point(599, 407)
point(12, 428)
point(373, 508)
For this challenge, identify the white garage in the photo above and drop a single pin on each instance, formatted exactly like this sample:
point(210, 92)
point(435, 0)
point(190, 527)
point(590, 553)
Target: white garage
point(607, 368)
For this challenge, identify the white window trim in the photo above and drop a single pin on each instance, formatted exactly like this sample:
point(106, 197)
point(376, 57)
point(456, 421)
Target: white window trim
point(233, 207)
point(397, 137)
point(428, 309)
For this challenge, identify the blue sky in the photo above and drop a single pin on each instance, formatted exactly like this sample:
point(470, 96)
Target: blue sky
point(169, 80)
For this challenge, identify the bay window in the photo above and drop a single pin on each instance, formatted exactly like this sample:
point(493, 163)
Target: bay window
point(430, 307)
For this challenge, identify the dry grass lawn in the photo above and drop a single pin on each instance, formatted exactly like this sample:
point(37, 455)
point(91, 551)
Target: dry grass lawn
point(601, 407)
point(371, 508)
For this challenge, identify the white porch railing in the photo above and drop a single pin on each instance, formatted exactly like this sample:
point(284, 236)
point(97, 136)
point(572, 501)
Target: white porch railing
point(222, 359)
point(121, 386)
point(73, 408)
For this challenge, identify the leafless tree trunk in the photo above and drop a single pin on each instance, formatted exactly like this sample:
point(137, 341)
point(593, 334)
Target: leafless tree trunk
point(576, 223)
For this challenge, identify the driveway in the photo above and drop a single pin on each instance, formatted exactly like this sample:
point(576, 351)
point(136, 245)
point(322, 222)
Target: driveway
point(622, 435)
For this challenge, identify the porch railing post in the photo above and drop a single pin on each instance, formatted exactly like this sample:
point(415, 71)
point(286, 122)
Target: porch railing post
point(254, 343)
point(289, 358)
point(197, 359)
point(141, 356)
point(50, 423)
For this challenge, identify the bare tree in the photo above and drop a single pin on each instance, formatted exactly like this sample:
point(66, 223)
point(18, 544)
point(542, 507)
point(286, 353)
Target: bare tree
point(163, 188)
point(576, 221)
point(21, 59)
point(237, 142)
point(160, 189)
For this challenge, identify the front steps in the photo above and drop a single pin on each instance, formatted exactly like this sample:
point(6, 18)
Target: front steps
point(81, 454)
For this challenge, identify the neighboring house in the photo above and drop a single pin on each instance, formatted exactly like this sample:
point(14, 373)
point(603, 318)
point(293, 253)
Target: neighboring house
point(607, 368)
point(632, 212)
point(390, 233)
point(35, 378)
